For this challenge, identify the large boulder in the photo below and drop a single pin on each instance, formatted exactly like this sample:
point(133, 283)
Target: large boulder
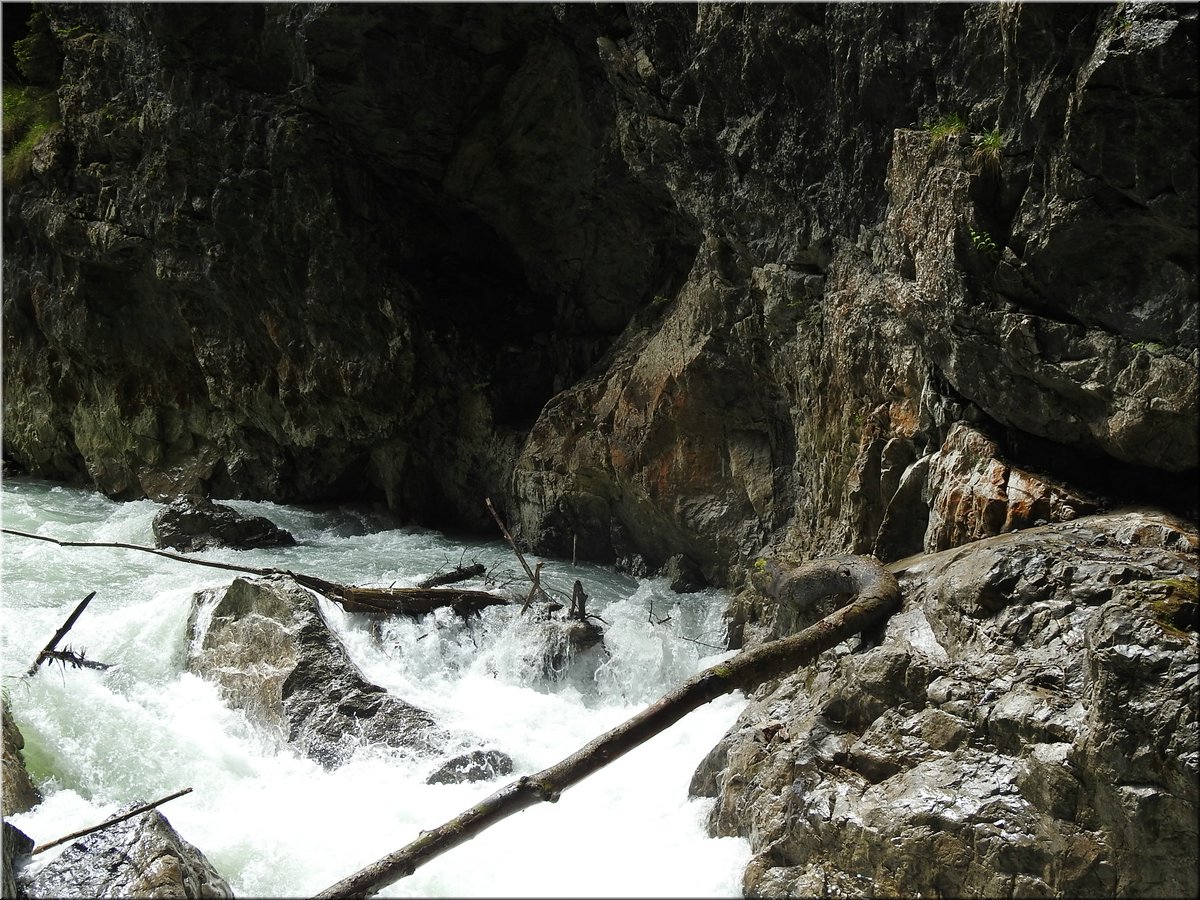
point(192, 522)
point(140, 857)
point(267, 646)
point(19, 793)
point(1026, 725)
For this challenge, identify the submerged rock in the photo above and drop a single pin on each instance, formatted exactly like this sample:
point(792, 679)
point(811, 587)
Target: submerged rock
point(267, 646)
point(1026, 725)
point(141, 857)
point(193, 523)
point(19, 793)
point(478, 765)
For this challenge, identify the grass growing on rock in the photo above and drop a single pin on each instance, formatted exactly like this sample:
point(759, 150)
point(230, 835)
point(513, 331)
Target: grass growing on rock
point(30, 113)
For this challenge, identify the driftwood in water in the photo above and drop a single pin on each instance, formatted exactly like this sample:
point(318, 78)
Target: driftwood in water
point(76, 659)
point(48, 652)
point(462, 573)
point(534, 577)
point(413, 601)
point(877, 595)
point(108, 823)
point(403, 601)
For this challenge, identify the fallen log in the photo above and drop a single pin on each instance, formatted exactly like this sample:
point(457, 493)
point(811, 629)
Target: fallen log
point(877, 595)
point(402, 601)
point(462, 573)
point(413, 601)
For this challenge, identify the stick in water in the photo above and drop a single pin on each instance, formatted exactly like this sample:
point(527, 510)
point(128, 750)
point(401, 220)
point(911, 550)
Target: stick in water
point(146, 807)
point(58, 635)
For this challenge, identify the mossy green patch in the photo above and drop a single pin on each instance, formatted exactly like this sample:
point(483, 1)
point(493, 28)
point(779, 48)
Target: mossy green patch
point(30, 113)
point(1178, 610)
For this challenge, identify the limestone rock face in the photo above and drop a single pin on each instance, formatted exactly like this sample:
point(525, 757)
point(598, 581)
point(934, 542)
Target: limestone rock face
point(975, 495)
point(668, 279)
point(863, 286)
point(1026, 725)
point(141, 857)
point(19, 792)
point(192, 523)
point(264, 642)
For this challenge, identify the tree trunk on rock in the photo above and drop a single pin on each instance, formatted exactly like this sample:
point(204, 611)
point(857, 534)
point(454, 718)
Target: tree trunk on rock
point(877, 596)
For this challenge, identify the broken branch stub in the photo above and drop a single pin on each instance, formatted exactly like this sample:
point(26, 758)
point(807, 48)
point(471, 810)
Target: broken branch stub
point(877, 596)
point(66, 626)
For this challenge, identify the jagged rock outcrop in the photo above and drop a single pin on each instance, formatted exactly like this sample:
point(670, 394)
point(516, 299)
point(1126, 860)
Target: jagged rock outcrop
point(266, 645)
point(191, 523)
point(845, 310)
point(304, 252)
point(19, 793)
point(671, 279)
point(1026, 724)
point(141, 857)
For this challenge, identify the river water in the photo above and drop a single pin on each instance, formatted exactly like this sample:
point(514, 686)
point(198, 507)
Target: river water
point(277, 825)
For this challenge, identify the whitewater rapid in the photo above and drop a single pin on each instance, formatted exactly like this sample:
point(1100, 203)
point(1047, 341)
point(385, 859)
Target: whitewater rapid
point(278, 825)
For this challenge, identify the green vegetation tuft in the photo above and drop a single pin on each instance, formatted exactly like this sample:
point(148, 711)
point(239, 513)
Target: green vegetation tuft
point(1178, 612)
point(29, 113)
point(985, 244)
point(945, 128)
point(988, 148)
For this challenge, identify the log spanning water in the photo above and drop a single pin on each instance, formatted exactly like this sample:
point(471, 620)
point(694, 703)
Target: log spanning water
point(876, 596)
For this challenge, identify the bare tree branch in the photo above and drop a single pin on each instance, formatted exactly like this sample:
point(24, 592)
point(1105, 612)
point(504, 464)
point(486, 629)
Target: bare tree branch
point(146, 807)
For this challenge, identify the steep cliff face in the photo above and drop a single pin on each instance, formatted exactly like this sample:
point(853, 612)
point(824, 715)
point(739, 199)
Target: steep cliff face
point(668, 279)
point(316, 251)
point(864, 283)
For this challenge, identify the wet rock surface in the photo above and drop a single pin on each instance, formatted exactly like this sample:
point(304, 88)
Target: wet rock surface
point(1026, 724)
point(141, 857)
point(478, 765)
point(19, 792)
point(192, 523)
point(267, 646)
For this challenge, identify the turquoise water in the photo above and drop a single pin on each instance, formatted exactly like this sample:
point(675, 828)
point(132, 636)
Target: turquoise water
point(277, 825)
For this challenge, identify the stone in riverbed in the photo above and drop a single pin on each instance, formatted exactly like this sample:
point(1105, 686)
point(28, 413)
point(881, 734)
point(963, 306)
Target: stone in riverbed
point(478, 765)
point(192, 523)
point(267, 646)
point(141, 857)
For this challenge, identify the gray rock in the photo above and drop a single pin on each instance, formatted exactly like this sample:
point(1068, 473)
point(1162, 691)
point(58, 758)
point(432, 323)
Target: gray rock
point(141, 857)
point(191, 523)
point(685, 575)
point(478, 765)
point(1027, 725)
point(266, 645)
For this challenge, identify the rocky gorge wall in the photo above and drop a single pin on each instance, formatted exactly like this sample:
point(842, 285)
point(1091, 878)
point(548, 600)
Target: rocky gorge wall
point(670, 281)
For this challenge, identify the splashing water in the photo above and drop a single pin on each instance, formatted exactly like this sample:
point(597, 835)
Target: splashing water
point(275, 824)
